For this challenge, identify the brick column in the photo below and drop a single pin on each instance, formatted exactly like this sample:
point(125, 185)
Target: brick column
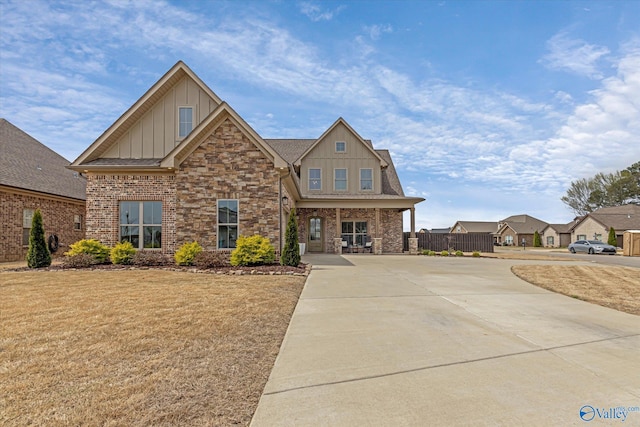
point(413, 245)
point(337, 245)
point(377, 245)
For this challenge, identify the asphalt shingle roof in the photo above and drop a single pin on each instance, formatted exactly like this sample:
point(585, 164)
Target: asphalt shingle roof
point(621, 218)
point(28, 164)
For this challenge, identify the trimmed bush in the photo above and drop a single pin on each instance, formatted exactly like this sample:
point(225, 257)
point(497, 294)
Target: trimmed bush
point(97, 250)
point(253, 250)
point(612, 237)
point(432, 253)
point(212, 259)
point(444, 253)
point(122, 253)
point(459, 253)
point(78, 261)
point(425, 251)
point(150, 259)
point(291, 251)
point(187, 253)
point(476, 254)
point(38, 255)
point(537, 240)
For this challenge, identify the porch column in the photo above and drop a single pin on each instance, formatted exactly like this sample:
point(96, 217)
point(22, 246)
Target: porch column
point(338, 225)
point(337, 240)
point(377, 229)
point(413, 240)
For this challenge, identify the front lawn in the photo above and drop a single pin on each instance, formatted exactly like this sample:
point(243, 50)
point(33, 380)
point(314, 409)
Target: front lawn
point(135, 347)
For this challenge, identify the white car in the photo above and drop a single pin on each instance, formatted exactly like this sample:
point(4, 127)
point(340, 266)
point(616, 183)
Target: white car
point(592, 247)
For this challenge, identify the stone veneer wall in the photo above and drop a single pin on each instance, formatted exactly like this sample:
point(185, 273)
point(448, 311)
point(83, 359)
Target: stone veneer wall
point(57, 217)
point(390, 225)
point(105, 191)
point(227, 165)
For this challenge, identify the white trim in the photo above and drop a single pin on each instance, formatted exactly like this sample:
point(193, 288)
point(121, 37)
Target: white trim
point(218, 223)
point(346, 179)
point(367, 190)
point(309, 179)
point(336, 147)
point(193, 121)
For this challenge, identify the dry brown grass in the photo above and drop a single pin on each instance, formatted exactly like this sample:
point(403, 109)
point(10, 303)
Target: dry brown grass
point(138, 347)
point(613, 287)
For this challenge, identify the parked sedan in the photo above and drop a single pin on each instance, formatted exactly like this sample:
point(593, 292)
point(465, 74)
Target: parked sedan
point(592, 247)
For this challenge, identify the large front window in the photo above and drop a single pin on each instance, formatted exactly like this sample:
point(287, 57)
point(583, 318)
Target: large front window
point(354, 232)
point(340, 182)
point(141, 224)
point(227, 223)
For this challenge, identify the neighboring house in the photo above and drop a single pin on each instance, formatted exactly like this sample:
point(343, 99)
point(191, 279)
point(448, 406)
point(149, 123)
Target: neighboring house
point(439, 231)
point(483, 227)
point(556, 235)
point(518, 228)
point(182, 165)
point(596, 224)
point(34, 177)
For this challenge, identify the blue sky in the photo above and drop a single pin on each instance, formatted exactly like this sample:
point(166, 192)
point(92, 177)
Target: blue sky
point(489, 109)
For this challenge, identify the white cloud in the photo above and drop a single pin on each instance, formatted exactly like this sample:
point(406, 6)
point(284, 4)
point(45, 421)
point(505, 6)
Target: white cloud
point(375, 31)
point(316, 13)
point(574, 55)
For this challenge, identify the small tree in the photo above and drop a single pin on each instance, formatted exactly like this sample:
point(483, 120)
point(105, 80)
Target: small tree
point(612, 240)
point(537, 240)
point(291, 251)
point(38, 255)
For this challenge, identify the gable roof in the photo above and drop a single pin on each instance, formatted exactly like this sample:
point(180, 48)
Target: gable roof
point(523, 224)
point(626, 217)
point(139, 109)
point(28, 164)
point(478, 226)
point(341, 121)
point(561, 228)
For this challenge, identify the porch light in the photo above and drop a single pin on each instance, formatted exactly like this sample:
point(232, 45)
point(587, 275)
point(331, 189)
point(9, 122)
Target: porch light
point(285, 201)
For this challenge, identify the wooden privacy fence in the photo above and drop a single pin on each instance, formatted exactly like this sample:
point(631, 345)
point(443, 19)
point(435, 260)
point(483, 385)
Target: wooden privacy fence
point(456, 241)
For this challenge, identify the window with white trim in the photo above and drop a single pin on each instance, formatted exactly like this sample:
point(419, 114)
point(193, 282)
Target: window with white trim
point(227, 223)
point(141, 224)
point(354, 232)
point(508, 240)
point(340, 179)
point(549, 240)
point(582, 237)
point(366, 179)
point(315, 179)
point(341, 147)
point(185, 121)
point(77, 222)
point(27, 218)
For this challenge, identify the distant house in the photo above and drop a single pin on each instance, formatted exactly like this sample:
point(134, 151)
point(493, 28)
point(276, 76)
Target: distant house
point(439, 231)
point(518, 228)
point(556, 235)
point(596, 224)
point(181, 165)
point(32, 177)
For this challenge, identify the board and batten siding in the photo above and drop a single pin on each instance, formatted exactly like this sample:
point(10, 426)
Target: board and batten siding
point(156, 133)
point(357, 156)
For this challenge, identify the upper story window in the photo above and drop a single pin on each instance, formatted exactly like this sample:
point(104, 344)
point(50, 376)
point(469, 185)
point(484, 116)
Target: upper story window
point(315, 179)
point(141, 224)
point(227, 223)
point(366, 179)
point(341, 147)
point(185, 118)
point(340, 179)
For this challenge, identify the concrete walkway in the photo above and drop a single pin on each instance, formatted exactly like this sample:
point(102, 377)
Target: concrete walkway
point(414, 341)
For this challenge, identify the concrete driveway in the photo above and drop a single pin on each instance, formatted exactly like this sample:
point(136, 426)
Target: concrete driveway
point(414, 341)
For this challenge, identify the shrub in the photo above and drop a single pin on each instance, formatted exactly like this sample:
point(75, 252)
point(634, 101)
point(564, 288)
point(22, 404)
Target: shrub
point(444, 253)
point(476, 254)
point(253, 250)
point(187, 253)
point(291, 251)
point(78, 261)
point(612, 237)
point(432, 253)
point(425, 251)
point(212, 259)
point(97, 250)
point(38, 255)
point(459, 253)
point(150, 258)
point(122, 253)
point(537, 240)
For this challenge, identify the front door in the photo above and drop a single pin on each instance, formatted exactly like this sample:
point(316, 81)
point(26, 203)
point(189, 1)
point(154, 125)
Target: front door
point(315, 235)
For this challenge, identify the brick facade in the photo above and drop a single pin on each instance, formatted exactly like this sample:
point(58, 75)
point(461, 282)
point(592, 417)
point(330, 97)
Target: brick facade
point(58, 216)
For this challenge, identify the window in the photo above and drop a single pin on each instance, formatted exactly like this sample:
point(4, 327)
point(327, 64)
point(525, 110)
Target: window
point(549, 240)
point(27, 218)
point(341, 147)
point(141, 219)
point(354, 232)
point(366, 179)
point(185, 118)
point(582, 237)
point(340, 179)
point(315, 179)
point(227, 223)
point(77, 222)
point(508, 240)
point(597, 236)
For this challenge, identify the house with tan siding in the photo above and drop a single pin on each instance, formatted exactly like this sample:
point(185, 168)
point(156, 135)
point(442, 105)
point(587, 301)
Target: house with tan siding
point(181, 165)
point(32, 176)
point(596, 225)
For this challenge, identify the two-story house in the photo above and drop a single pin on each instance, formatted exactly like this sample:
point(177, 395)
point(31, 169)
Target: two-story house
point(181, 165)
